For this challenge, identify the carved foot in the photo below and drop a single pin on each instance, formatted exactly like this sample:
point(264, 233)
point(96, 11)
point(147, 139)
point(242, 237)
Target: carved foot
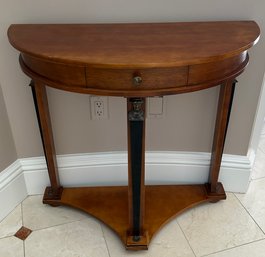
point(137, 243)
point(216, 196)
point(52, 194)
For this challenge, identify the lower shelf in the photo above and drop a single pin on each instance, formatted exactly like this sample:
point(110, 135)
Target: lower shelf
point(110, 205)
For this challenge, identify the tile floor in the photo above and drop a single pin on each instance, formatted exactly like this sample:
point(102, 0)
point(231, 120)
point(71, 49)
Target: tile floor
point(235, 227)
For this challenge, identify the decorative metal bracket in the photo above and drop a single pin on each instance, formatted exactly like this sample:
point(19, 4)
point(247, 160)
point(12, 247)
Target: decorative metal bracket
point(137, 114)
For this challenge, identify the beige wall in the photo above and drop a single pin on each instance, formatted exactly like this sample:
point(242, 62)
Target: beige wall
point(7, 147)
point(188, 123)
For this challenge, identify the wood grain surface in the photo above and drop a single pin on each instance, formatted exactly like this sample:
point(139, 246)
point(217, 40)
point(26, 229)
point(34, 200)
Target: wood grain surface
point(135, 45)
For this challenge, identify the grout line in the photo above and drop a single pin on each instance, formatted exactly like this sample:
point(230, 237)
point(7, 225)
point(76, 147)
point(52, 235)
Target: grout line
point(185, 237)
point(24, 250)
point(57, 225)
point(10, 212)
point(238, 246)
point(262, 150)
point(64, 223)
point(6, 237)
point(105, 240)
point(22, 215)
point(22, 219)
point(12, 236)
point(249, 214)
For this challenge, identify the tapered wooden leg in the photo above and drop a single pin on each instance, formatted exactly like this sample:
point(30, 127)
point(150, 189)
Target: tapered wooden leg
point(223, 114)
point(42, 110)
point(137, 237)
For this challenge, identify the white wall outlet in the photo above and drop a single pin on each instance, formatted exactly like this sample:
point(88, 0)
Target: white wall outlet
point(99, 107)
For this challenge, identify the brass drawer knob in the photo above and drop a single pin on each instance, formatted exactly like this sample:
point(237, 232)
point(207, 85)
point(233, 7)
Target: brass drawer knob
point(137, 80)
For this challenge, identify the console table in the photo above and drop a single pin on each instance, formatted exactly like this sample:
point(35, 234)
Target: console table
point(134, 61)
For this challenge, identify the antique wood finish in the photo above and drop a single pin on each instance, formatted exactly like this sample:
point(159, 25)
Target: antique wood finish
point(102, 58)
point(134, 61)
point(201, 73)
point(223, 114)
point(66, 74)
point(146, 45)
point(162, 204)
point(43, 115)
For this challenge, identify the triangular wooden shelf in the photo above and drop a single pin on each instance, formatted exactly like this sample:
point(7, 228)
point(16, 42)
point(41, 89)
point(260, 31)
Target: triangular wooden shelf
point(110, 205)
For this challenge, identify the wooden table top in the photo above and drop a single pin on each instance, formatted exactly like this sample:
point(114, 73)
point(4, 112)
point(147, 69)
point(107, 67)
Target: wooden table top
point(135, 45)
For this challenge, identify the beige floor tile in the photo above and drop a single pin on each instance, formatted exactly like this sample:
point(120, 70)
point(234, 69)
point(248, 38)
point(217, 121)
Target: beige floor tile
point(169, 242)
point(254, 201)
point(11, 247)
point(259, 165)
point(255, 249)
point(77, 239)
point(38, 216)
point(215, 227)
point(12, 223)
point(262, 142)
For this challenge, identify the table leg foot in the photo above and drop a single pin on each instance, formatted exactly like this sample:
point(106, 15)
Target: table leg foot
point(52, 194)
point(217, 195)
point(139, 243)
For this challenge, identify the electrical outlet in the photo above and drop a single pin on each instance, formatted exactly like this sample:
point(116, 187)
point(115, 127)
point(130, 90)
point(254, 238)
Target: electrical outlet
point(99, 107)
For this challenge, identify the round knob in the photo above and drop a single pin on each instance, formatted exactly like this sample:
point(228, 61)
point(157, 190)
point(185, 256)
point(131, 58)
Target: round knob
point(137, 80)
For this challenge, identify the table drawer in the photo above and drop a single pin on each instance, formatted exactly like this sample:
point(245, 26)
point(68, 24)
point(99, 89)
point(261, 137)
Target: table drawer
point(126, 79)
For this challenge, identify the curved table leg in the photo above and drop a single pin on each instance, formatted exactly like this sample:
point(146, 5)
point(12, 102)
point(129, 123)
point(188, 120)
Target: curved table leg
point(223, 114)
point(42, 110)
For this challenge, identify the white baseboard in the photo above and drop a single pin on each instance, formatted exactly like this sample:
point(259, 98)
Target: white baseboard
point(161, 168)
point(29, 176)
point(251, 156)
point(12, 188)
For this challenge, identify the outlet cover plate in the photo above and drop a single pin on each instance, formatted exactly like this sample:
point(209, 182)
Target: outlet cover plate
point(99, 107)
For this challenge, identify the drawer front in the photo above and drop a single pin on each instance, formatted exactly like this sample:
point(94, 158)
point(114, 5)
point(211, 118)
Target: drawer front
point(131, 79)
point(67, 75)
